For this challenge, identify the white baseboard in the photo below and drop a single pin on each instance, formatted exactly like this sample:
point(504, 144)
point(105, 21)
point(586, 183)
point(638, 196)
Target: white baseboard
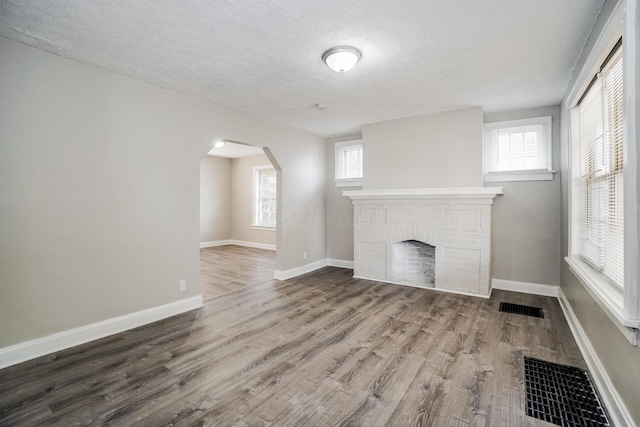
point(28, 350)
point(525, 287)
point(307, 268)
point(340, 263)
point(616, 408)
point(215, 243)
point(238, 243)
point(253, 244)
point(303, 269)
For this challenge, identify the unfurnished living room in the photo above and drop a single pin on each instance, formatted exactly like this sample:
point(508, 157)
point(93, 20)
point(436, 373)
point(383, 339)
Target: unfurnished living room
point(319, 213)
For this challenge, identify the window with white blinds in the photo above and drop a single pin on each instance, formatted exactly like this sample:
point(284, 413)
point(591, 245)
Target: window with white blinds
point(349, 162)
point(264, 202)
point(597, 165)
point(518, 145)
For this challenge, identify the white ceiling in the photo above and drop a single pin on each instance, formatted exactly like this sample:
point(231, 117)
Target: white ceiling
point(232, 150)
point(263, 56)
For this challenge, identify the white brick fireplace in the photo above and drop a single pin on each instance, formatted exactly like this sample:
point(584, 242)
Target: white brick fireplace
point(454, 221)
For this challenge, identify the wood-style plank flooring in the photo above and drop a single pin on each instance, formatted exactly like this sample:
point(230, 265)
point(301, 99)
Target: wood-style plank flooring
point(231, 267)
point(323, 349)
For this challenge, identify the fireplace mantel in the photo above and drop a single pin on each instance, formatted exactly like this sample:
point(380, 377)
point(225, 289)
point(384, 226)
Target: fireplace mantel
point(427, 193)
point(454, 221)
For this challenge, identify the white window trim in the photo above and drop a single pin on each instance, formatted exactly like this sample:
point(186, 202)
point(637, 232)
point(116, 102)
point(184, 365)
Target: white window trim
point(621, 306)
point(529, 175)
point(345, 182)
point(254, 197)
point(608, 297)
point(523, 175)
point(263, 227)
point(348, 182)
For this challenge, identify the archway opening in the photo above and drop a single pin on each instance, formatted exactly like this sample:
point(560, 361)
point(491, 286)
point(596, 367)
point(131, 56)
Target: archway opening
point(239, 199)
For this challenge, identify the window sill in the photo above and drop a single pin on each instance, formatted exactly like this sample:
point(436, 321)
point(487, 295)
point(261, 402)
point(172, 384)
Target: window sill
point(607, 296)
point(534, 175)
point(263, 227)
point(349, 182)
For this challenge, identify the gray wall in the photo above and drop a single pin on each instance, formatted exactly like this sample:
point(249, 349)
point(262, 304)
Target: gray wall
point(215, 199)
point(619, 358)
point(437, 150)
point(401, 154)
point(99, 191)
point(526, 219)
point(242, 201)
point(339, 208)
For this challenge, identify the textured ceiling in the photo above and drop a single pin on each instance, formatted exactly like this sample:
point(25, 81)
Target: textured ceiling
point(263, 56)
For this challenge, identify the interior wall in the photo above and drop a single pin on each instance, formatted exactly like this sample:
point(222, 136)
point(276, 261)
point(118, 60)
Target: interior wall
point(618, 357)
point(438, 150)
point(339, 208)
point(242, 201)
point(526, 244)
point(99, 191)
point(215, 199)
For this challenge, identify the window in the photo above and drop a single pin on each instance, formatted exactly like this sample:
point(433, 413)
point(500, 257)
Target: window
point(264, 196)
point(597, 234)
point(597, 142)
point(349, 164)
point(518, 150)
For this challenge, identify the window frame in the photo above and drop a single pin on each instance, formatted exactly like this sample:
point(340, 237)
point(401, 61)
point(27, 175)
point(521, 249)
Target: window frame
point(255, 223)
point(351, 181)
point(620, 305)
point(489, 147)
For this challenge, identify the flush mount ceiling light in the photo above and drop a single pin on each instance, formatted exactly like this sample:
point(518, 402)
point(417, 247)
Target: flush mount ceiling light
point(219, 144)
point(341, 58)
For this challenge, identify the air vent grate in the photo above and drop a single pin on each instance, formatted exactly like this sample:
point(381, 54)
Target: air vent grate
point(524, 310)
point(562, 395)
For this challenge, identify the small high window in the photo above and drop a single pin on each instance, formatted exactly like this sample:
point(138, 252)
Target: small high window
point(518, 150)
point(349, 164)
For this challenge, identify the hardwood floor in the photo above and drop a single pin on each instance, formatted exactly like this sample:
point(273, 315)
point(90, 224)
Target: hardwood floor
point(228, 268)
point(323, 349)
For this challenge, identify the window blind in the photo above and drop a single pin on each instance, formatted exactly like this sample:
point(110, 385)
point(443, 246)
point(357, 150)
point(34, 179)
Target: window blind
point(597, 133)
point(350, 161)
point(518, 145)
point(266, 197)
point(521, 148)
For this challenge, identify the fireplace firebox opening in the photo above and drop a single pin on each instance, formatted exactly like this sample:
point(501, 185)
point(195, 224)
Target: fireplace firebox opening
point(414, 263)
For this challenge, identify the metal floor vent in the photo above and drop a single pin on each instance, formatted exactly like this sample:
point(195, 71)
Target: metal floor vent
point(525, 310)
point(562, 395)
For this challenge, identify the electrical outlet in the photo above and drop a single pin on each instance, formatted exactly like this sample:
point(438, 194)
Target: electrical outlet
point(183, 285)
point(304, 255)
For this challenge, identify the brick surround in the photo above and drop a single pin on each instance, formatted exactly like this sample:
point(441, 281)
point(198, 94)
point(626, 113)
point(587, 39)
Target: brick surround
point(457, 222)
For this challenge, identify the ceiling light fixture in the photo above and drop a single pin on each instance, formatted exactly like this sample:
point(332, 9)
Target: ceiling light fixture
point(219, 144)
point(341, 58)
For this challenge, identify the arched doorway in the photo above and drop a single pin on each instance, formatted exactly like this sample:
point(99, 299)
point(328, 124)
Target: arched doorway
point(238, 209)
